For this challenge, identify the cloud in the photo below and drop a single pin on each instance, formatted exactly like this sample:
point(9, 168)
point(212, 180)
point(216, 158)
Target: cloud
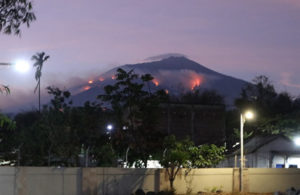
point(164, 56)
point(286, 78)
point(64, 83)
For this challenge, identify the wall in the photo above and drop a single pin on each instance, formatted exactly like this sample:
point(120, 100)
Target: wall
point(270, 180)
point(118, 181)
point(196, 180)
point(202, 123)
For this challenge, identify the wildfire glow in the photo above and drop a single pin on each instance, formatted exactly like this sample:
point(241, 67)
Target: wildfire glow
point(167, 91)
point(86, 88)
point(91, 81)
point(113, 77)
point(196, 81)
point(156, 82)
point(101, 79)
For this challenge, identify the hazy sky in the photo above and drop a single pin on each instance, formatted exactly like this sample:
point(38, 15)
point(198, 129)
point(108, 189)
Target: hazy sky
point(86, 37)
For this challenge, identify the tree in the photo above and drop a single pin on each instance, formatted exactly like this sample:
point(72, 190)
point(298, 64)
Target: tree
point(206, 155)
point(176, 156)
point(184, 154)
point(7, 132)
point(276, 113)
point(14, 13)
point(39, 59)
point(59, 135)
point(260, 96)
point(135, 109)
point(6, 122)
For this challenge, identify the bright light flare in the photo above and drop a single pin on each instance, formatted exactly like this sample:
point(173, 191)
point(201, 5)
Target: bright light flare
point(21, 66)
point(297, 141)
point(91, 81)
point(249, 115)
point(109, 127)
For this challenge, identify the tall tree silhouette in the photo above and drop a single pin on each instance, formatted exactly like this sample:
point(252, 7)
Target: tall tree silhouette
point(39, 59)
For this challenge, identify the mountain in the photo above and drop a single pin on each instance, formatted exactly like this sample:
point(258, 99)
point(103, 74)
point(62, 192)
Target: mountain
point(176, 74)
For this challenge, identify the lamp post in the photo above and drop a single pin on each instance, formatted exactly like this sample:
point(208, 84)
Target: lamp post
point(20, 65)
point(244, 116)
point(297, 141)
point(5, 64)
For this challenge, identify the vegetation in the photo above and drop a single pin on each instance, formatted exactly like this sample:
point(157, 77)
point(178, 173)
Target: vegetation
point(134, 107)
point(184, 154)
point(59, 135)
point(14, 13)
point(39, 59)
point(276, 113)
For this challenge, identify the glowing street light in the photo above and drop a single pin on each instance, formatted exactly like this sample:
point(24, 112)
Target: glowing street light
point(20, 65)
point(297, 141)
point(244, 116)
point(109, 127)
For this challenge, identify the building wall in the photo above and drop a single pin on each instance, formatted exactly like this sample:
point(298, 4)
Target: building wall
point(117, 181)
point(278, 151)
point(201, 123)
point(270, 180)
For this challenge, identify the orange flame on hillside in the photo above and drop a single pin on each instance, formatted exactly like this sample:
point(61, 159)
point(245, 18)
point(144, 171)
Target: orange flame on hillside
point(156, 82)
point(196, 81)
point(113, 77)
point(86, 88)
point(167, 91)
point(101, 79)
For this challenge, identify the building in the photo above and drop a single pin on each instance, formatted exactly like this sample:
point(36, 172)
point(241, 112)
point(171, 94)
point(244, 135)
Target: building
point(275, 151)
point(202, 123)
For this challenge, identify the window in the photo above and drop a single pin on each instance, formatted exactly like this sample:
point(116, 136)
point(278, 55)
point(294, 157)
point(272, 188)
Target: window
point(279, 165)
point(293, 166)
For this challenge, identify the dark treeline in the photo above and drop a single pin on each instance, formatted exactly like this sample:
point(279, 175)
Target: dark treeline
point(57, 134)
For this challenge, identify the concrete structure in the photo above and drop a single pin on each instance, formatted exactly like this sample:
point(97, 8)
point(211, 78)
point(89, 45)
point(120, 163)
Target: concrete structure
point(202, 123)
point(117, 181)
point(275, 151)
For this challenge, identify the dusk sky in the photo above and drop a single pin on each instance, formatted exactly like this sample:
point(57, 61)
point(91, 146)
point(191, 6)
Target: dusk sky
point(84, 38)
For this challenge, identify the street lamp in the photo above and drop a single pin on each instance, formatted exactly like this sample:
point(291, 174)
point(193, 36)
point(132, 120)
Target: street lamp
point(109, 127)
point(20, 65)
point(297, 141)
point(244, 116)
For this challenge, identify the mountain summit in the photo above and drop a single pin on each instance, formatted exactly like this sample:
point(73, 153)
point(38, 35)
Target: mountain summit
point(176, 74)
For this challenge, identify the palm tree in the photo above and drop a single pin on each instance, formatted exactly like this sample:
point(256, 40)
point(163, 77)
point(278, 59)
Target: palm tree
point(39, 59)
